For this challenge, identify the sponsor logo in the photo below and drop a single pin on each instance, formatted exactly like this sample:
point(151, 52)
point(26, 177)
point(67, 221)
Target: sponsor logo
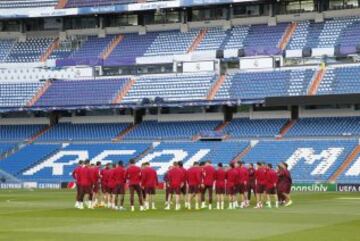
point(348, 187)
point(325, 187)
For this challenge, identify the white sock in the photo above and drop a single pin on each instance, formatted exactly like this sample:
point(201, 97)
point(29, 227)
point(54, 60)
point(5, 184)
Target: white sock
point(222, 205)
point(218, 205)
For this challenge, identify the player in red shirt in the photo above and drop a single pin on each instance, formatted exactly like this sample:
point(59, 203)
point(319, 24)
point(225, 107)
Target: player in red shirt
point(133, 175)
point(271, 181)
point(176, 181)
point(220, 177)
point(260, 175)
point(284, 184)
point(111, 185)
point(105, 176)
point(75, 175)
point(119, 180)
point(243, 184)
point(149, 180)
point(208, 182)
point(184, 188)
point(85, 185)
point(251, 185)
point(95, 174)
point(231, 179)
point(167, 186)
point(194, 180)
point(202, 194)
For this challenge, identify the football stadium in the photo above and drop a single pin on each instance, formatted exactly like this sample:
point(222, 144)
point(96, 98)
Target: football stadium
point(174, 120)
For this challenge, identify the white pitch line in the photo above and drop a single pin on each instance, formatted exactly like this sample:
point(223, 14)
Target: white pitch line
point(349, 198)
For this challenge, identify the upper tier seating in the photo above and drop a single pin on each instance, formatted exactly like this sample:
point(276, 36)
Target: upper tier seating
point(81, 92)
point(331, 33)
point(213, 39)
point(352, 173)
point(170, 130)
point(92, 47)
point(309, 161)
point(261, 37)
point(83, 132)
point(5, 47)
point(171, 42)
point(28, 51)
point(245, 127)
point(94, 3)
point(130, 47)
point(340, 80)
point(18, 132)
point(236, 37)
point(28, 74)
point(171, 87)
point(17, 94)
point(27, 3)
point(260, 84)
point(332, 126)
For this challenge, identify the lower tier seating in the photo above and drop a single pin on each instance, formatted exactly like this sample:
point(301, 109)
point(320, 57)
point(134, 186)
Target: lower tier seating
point(309, 160)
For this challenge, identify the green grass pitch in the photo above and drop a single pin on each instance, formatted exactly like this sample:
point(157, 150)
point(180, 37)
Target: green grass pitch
point(49, 215)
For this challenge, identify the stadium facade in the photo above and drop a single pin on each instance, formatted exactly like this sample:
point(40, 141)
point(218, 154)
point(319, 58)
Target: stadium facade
point(166, 81)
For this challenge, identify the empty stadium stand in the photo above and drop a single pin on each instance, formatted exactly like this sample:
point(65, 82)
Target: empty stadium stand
point(259, 84)
point(309, 161)
point(254, 128)
point(81, 92)
point(170, 130)
point(83, 132)
point(17, 94)
point(331, 126)
point(352, 173)
point(171, 87)
point(27, 3)
point(18, 132)
point(28, 51)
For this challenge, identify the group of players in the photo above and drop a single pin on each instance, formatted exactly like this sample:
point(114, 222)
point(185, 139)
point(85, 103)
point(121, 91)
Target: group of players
point(236, 182)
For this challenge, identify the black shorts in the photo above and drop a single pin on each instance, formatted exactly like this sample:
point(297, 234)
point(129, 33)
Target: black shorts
point(194, 189)
point(243, 188)
point(231, 190)
point(175, 190)
point(271, 190)
point(220, 190)
point(183, 190)
point(119, 189)
point(105, 188)
point(150, 190)
point(260, 188)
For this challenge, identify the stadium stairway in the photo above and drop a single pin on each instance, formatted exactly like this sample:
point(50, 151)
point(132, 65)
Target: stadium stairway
point(37, 135)
point(38, 95)
point(215, 87)
point(61, 4)
point(245, 151)
point(54, 45)
point(221, 126)
point(315, 82)
point(287, 36)
point(124, 132)
point(197, 40)
point(355, 152)
point(288, 125)
point(146, 151)
point(122, 93)
point(112, 45)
